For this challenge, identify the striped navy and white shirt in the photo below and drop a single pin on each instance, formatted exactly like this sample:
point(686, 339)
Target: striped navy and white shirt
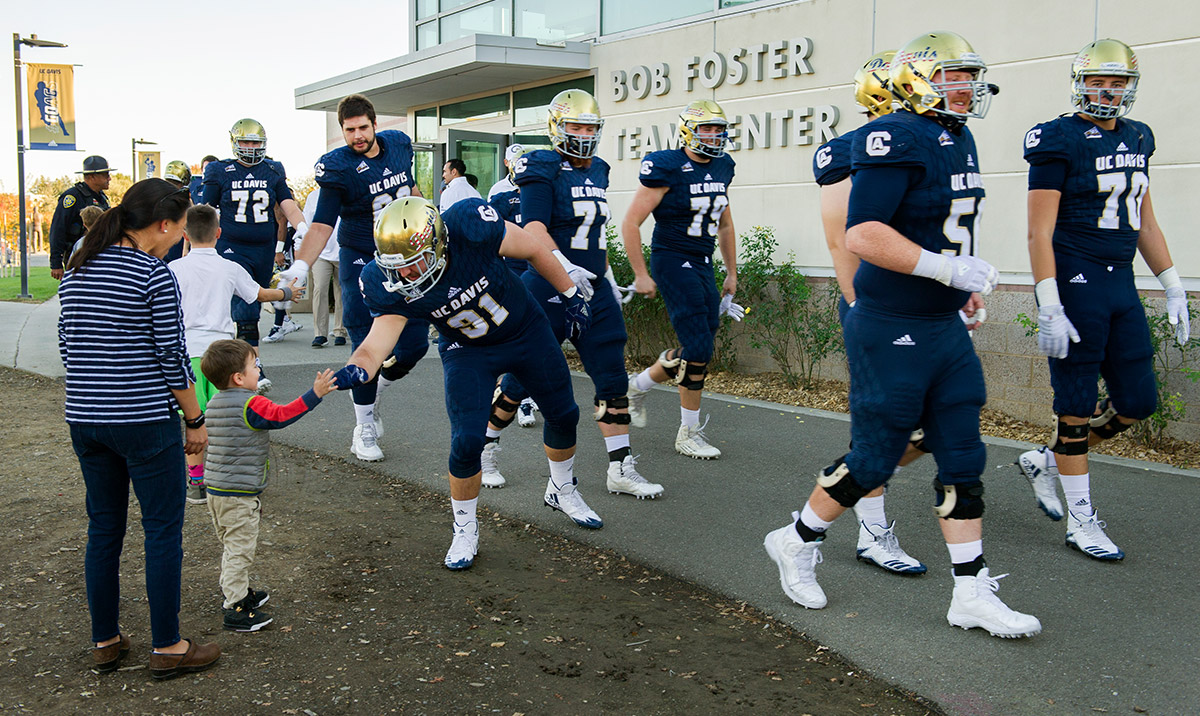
point(120, 335)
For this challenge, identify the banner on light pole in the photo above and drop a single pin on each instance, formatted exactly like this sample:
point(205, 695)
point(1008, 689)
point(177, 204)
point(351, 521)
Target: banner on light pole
point(149, 165)
point(51, 90)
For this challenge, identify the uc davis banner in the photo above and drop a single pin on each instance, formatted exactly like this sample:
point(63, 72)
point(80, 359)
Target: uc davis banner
point(51, 90)
point(149, 164)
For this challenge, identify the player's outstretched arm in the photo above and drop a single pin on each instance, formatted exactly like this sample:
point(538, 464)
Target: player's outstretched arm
point(372, 352)
point(521, 244)
point(645, 201)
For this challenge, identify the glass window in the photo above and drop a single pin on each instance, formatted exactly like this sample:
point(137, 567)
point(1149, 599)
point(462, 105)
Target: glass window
point(448, 5)
point(427, 126)
point(492, 18)
point(735, 3)
point(481, 108)
point(424, 169)
point(426, 8)
point(529, 105)
point(427, 35)
point(533, 141)
point(621, 15)
point(553, 20)
point(483, 159)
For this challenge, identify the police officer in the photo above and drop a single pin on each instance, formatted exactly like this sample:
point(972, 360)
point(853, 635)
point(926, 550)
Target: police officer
point(66, 227)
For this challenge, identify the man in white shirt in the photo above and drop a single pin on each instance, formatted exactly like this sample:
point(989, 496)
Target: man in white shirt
point(325, 267)
point(506, 184)
point(454, 173)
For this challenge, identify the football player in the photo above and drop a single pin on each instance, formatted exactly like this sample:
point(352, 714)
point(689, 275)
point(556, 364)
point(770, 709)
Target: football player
point(563, 204)
point(687, 190)
point(357, 182)
point(877, 542)
point(179, 175)
point(246, 190)
point(1089, 213)
point(913, 207)
point(447, 269)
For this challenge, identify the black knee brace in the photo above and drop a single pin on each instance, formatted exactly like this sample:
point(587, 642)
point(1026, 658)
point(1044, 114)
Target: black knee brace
point(840, 484)
point(392, 370)
point(603, 416)
point(671, 364)
point(1105, 425)
point(248, 331)
point(500, 401)
point(1077, 435)
point(693, 376)
point(958, 502)
point(917, 440)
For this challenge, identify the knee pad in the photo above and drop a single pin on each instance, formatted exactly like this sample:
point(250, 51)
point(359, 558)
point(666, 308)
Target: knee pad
point(1105, 425)
point(958, 502)
point(465, 452)
point(917, 440)
point(840, 484)
point(671, 365)
point(500, 401)
point(693, 376)
point(1076, 434)
point(603, 416)
point(393, 370)
point(248, 331)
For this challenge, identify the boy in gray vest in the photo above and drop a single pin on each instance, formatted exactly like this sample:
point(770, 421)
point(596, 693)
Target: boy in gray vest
point(237, 464)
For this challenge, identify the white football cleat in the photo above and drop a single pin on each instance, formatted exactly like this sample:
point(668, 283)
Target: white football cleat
point(623, 477)
point(464, 546)
point(879, 546)
point(487, 460)
point(691, 442)
point(525, 413)
point(637, 403)
point(1035, 465)
point(975, 604)
point(1086, 534)
point(568, 501)
point(364, 445)
point(797, 561)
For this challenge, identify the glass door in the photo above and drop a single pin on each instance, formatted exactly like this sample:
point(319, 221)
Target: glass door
point(482, 153)
point(427, 167)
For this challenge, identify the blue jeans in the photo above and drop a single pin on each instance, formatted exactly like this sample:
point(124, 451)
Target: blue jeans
point(150, 456)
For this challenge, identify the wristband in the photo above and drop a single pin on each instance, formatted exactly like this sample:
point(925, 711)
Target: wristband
point(567, 265)
point(1169, 278)
point(287, 292)
point(195, 423)
point(570, 292)
point(929, 265)
point(1046, 292)
point(279, 247)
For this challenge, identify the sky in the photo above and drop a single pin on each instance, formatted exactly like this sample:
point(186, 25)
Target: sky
point(181, 74)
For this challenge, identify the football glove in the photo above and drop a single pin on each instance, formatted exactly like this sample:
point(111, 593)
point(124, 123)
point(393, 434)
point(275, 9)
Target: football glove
point(1177, 308)
point(966, 273)
point(298, 271)
point(578, 315)
point(351, 376)
point(731, 309)
point(1055, 331)
point(581, 277)
point(618, 290)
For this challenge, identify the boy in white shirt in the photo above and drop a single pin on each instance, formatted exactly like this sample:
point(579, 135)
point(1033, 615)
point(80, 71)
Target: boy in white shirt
point(207, 284)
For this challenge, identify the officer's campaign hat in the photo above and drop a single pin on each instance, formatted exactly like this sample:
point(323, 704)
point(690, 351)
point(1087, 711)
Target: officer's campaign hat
point(95, 165)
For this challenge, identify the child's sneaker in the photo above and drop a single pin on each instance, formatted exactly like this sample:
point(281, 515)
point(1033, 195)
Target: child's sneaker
point(256, 598)
point(196, 494)
point(245, 617)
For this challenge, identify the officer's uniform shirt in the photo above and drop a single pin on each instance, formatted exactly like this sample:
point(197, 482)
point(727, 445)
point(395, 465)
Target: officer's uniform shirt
point(1107, 174)
point(508, 205)
point(66, 227)
point(579, 210)
point(246, 197)
point(477, 300)
point(686, 219)
point(357, 187)
point(945, 194)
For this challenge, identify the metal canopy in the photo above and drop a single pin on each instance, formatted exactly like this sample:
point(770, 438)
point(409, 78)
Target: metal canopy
point(464, 67)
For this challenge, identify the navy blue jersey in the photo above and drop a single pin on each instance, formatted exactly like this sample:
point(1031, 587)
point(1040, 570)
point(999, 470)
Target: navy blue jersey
point(831, 163)
point(1099, 213)
point(246, 197)
point(508, 205)
point(940, 211)
point(196, 189)
point(357, 188)
point(697, 194)
point(579, 210)
point(477, 300)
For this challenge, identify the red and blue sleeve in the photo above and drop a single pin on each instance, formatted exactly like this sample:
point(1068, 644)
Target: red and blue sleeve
point(262, 414)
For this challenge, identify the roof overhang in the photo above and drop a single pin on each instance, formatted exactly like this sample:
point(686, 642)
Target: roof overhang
point(464, 67)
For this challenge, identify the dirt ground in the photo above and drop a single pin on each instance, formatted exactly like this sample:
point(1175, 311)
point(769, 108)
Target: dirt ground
point(366, 618)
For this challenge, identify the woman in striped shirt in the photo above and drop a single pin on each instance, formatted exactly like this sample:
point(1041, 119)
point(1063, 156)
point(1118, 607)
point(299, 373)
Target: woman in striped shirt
point(120, 335)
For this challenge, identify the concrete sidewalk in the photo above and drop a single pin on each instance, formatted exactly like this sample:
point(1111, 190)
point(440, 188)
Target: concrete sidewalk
point(1117, 636)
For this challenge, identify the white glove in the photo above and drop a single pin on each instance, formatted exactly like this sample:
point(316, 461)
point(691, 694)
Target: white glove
point(297, 271)
point(581, 277)
point(1177, 307)
point(1054, 330)
point(618, 296)
point(966, 273)
point(976, 320)
point(731, 309)
point(281, 305)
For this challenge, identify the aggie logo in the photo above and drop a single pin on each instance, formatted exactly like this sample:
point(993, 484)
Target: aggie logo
point(877, 143)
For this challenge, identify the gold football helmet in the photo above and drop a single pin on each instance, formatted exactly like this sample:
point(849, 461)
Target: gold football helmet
point(515, 153)
point(703, 112)
point(177, 173)
point(914, 76)
point(407, 232)
point(1104, 58)
point(578, 107)
point(871, 85)
point(248, 130)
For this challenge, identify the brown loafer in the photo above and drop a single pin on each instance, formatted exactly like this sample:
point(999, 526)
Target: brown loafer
point(108, 658)
point(197, 658)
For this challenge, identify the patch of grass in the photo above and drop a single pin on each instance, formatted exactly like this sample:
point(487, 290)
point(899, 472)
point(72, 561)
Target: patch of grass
point(41, 286)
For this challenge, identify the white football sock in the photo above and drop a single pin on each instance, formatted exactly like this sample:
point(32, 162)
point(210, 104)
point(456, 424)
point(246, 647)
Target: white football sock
point(643, 381)
point(690, 418)
point(1078, 491)
point(464, 510)
point(869, 510)
point(561, 473)
point(365, 413)
point(811, 520)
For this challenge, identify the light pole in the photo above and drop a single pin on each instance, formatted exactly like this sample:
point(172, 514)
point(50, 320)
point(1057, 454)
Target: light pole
point(133, 145)
point(31, 41)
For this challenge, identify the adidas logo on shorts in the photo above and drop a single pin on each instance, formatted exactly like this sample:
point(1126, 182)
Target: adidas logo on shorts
point(1078, 279)
point(904, 340)
point(686, 264)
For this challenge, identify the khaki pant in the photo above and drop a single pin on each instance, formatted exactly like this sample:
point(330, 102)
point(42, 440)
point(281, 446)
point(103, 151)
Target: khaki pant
point(236, 521)
point(322, 270)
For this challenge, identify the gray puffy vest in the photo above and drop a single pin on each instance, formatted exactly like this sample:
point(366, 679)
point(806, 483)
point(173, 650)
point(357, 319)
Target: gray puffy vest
point(237, 455)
